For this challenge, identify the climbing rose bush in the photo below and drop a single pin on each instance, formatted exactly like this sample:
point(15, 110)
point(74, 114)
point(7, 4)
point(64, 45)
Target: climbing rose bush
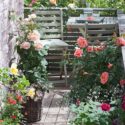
point(98, 71)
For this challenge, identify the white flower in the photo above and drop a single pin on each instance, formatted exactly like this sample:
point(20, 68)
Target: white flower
point(72, 6)
point(32, 16)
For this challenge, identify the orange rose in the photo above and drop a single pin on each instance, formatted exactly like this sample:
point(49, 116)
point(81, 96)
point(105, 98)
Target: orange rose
point(104, 77)
point(120, 41)
point(78, 53)
point(90, 49)
point(82, 42)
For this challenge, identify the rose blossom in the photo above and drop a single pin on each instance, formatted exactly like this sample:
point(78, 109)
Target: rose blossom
point(104, 77)
point(12, 101)
point(13, 116)
point(122, 82)
point(25, 45)
point(123, 106)
point(38, 46)
point(78, 52)
point(120, 41)
point(105, 107)
point(34, 36)
point(82, 42)
point(90, 49)
point(109, 65)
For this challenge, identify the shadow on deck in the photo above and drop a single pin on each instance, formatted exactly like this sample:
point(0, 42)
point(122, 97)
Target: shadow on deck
point(55, 108)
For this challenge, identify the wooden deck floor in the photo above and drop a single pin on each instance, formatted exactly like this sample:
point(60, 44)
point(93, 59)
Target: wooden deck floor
point(55, 109)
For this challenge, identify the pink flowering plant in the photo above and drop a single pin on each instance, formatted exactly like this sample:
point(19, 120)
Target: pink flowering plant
point(98, 72)
point(98, 75)
point(32, 53)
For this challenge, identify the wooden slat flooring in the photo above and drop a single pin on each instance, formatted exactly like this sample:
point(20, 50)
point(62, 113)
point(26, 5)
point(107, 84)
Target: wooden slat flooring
point(55, 108)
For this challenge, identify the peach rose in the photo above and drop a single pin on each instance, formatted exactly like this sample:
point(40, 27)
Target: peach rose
point(25, 45)
point(82, 42)
point(104, 77)
point(120, 41)
point(78, 53)
point(90, 49)
point(53, 2)
point(34, 36)
point(38, 46)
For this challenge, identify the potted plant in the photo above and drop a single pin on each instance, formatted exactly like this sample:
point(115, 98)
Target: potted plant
point(14, 93)
point(32, 63)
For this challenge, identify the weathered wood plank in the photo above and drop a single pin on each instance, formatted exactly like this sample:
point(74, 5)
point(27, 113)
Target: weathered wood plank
point(47, 12)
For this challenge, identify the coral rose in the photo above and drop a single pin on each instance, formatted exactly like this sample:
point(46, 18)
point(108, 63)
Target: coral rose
point(78, 53)
point(120, 41)
point(104, 77)
point(34, 36)
point(82, 42)
point(12, 101)
point(25, 45)
point(105, 107)
point(90, 49)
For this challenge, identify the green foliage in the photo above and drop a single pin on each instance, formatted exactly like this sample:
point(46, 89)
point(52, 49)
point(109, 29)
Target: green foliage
point(13, 94)
point(32, 60)
point(90, 113)
point(86, 81)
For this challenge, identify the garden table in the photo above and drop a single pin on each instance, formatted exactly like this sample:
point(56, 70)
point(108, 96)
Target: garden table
point(72, 23)
point(57, 44)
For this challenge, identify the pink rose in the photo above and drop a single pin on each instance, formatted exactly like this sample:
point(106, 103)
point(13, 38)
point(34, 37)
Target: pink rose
point(82, 42)
point(25, 45)
point(122, 82)
point(123, 106)
point(78, 53)
point(109, 65)
point(90, 49)
point(34, 36)
point(105, 107)
point(38, 46)
point(120, 41)
point(104, 77)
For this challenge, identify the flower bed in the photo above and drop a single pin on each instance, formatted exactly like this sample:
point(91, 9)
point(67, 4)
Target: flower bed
point(98, 76)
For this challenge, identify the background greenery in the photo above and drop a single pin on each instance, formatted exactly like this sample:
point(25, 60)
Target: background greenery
point(119, 4)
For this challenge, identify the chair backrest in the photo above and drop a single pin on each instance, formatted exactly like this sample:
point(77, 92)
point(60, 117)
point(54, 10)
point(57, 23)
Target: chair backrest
point(50, 23)
point(101, 32)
